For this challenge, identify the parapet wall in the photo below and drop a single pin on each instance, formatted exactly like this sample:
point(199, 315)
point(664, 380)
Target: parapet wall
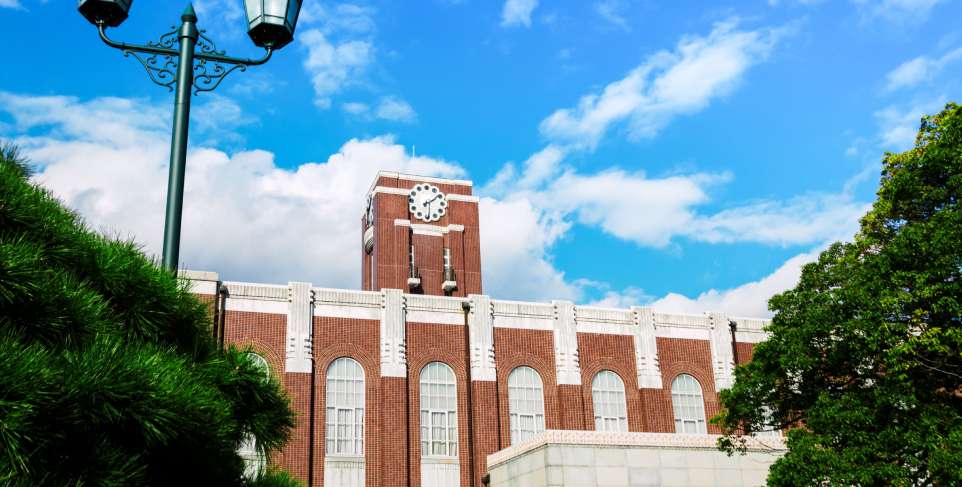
point(481, 314)
point(591, 458)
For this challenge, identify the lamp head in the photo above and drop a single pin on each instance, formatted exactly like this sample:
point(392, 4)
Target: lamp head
point(109, 12)
point(270, 23)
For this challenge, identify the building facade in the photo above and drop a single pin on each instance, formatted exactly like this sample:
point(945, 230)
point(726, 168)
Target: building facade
point(418, 377)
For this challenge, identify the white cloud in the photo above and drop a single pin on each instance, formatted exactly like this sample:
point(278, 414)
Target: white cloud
point(922, 68)
point(245, 216)
point(668, 84)
point(899, 126)
point(515, 238)
point(517, 12)
point(612, 12)
point(749, 299)
point(342, 18)
point(896, 11)
point(654, 211)
point(355, 108)
point(396, 109)
point(15, 4)
point(226, 11)
point(390, 108)
point(334, 66)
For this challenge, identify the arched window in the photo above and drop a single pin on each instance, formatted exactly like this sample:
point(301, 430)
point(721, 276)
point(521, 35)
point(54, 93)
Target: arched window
point(688, 405)
point(525, 404)
point(344, 415)
point(439, 411)
point(254, 458)
point(608, 397)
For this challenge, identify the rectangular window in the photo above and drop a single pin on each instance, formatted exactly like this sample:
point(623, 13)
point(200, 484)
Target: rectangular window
point(447, 258)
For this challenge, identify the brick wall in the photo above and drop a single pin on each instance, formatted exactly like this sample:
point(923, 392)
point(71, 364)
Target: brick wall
point(392, 443)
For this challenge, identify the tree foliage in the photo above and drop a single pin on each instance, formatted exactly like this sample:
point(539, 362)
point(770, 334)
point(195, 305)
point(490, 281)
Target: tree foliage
point(864, 361)
point(108, 373)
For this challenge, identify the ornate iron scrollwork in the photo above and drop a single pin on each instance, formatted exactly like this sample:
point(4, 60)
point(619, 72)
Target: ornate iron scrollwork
point(206, 44)
point(208, 74)
point(161, 69)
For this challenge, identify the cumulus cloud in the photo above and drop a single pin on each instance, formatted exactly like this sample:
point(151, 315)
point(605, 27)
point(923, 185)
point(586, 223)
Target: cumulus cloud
point(750, 299)
point(340, 54)
point(898, 126)
point(245, 216)
point(918, 70)
point(515, 239)
point(517, 12)
point(666, 85)
point(333, 66)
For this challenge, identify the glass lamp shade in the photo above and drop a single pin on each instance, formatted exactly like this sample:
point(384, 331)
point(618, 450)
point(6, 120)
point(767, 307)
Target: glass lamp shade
point(271, 22)
point(111, 12)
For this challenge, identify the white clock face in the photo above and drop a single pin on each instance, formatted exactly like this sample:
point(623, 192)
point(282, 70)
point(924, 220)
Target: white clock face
point(427, 203)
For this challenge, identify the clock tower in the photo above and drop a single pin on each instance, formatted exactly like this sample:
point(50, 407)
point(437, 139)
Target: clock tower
point(420, 235)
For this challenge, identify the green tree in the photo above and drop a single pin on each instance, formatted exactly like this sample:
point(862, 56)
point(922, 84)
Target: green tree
point(108, 373)
point(864, 362)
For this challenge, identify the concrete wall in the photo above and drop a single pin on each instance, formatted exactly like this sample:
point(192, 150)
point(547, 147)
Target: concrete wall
point(595, 459)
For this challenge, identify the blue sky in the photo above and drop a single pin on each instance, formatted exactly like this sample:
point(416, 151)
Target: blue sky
point(682, 154)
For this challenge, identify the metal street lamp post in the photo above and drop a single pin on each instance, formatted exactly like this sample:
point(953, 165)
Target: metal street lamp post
point(185, 59)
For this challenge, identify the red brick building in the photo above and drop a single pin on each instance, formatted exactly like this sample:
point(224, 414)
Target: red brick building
point(417, 378)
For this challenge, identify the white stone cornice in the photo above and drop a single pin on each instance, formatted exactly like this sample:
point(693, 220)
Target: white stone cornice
point(425, 179)
point(393, 335)
point(389, 190)
point(524, 315)
point(568, 367)
point(300, 329)
point(462, 198)
point(200, 282)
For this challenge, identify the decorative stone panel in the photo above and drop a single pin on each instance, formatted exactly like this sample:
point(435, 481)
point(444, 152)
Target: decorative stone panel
point(723, 361)
point(566, 344)
point(646, 349)
point(300, 315)
point(393, 344)
point(481, 326)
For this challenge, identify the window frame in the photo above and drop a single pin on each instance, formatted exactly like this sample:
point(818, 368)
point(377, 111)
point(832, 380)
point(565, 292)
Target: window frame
point(688, 408)
point(349, 409)
point(436, 418)
point(609, 413)
point(530, 393)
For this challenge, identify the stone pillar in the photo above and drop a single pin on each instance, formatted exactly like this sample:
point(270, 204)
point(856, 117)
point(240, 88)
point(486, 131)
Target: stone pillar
point(484, 392)
point(723, 361)
point(568, 367)
point(299, 378)
point(393, 437)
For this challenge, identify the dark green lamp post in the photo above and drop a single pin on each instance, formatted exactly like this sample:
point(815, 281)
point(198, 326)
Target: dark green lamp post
point(185, 59)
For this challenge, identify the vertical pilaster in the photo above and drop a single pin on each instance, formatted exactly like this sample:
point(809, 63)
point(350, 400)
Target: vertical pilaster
point(393, 343)
point(566, 344)
point(484, 391)
point(568, 367)
point(646, 349)
point(481, 327)
point(393, 437)
point(298, 379)
point(723, 361)
point(300, 313)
